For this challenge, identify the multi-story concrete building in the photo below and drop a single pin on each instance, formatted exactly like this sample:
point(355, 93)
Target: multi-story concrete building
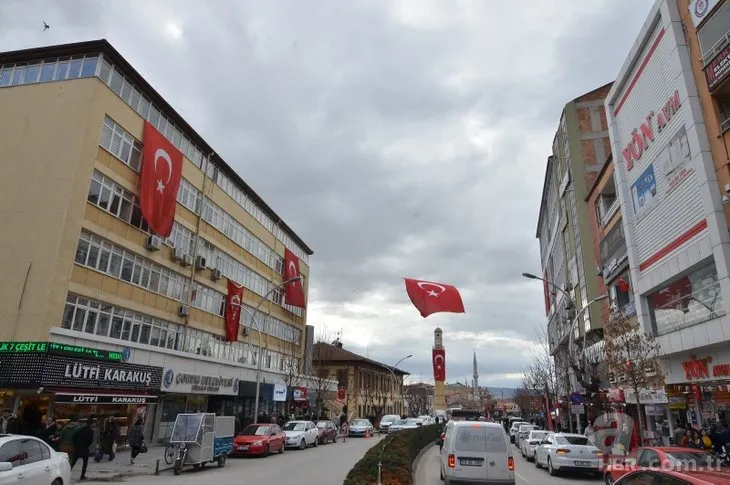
point(667, 171)
point(579, 149)
point(80, 266)
point(367, 387)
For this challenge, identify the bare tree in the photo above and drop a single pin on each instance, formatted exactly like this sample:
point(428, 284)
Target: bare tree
point(321, 367)
point(541, 373)
point(373, 392)
point(528, 400)
point(632, 357)
point(291, 370)
point(417, 396)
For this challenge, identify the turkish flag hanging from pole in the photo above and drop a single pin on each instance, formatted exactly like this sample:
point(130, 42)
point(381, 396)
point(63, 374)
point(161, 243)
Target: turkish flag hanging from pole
point(439, 365)
point(160, 181)
point(429, 297)
point(294, 292)
point(548, 415)
point(234, 300)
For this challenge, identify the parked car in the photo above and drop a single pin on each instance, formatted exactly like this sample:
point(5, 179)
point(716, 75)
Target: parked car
point(513, 430)
point(386, 421)
point(663, 457)
point(300, 434)
point(476, 452)
point(29, 460)
point(412, 423)
point(259, 439)
point(397, 425)
point(568, 452)
point(327, 432)
point(522, 433)
point(360, 427)
point(670, 477)
point(529, 444)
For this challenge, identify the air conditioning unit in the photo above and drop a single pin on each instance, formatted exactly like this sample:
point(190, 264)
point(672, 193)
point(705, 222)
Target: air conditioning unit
point(244, 331)
point(599, 270)
point(154, 243)
point(187, 260)
point(178, 254)
point(200, 262)
point(183, 311)
point(215, 275)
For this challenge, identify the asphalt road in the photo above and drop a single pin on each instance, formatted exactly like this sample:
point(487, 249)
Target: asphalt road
point(525, 472)
point(324, 465)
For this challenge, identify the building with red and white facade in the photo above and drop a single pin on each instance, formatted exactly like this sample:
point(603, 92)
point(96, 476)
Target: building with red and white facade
point(673, 217)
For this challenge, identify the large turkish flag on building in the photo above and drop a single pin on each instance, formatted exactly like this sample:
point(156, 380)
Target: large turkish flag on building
point(294, 292)
point(234, 300)
point(160, 181)
point(429, 297)
point(439, 365)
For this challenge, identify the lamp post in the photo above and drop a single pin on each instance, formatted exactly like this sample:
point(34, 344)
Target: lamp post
point(571, 303)
point(392, 372)
point(258, 329)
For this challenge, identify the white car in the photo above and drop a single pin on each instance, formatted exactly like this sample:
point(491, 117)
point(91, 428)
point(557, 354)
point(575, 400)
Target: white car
point(386, 421)
point(300, 434)
point(476, 452)
point(529, 444)
point(513, 431)
point(28, 460)
point(568, 452)
point(412, 423)
point(396, 425)
point(522, 433)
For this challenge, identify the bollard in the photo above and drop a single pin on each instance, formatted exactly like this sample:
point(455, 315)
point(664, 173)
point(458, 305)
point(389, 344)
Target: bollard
point(380, 467)
point(157, 467)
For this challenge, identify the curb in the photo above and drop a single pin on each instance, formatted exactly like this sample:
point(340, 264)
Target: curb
point(420, 454)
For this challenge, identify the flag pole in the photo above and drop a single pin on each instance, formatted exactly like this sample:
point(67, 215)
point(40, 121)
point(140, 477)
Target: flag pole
point(548, 415)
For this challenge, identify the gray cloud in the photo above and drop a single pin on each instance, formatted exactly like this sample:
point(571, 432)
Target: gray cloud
point(399, 138)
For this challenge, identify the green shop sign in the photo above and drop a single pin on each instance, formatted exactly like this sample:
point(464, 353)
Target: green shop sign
point(53, 348)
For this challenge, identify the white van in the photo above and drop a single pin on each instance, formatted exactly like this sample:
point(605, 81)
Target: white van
point(477, 452)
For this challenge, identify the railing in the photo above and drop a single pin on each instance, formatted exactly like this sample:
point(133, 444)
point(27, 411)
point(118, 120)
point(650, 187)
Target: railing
point(610, 212)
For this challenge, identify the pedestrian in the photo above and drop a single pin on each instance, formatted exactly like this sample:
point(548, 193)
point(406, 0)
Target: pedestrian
point(49, 434)
point(136, 440)
point(67, 434)
point(82, 440)
point(9, 423)
point(108, 440)
point(706, 440)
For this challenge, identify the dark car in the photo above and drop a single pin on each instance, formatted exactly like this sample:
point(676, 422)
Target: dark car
point(327, 432)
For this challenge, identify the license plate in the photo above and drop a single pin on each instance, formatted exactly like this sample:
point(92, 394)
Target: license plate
point(467, 462)
point(582, 463)
point(243, 448)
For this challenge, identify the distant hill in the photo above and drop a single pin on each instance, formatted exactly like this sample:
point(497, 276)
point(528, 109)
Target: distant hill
point(496, 392)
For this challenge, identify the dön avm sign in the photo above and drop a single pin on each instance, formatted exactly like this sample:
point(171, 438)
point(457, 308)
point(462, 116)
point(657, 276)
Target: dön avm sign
point(643, 137)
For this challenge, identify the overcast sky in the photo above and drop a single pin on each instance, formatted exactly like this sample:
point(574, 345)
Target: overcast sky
point(398, 138)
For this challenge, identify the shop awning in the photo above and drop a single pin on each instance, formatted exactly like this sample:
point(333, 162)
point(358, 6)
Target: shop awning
point(77, 398)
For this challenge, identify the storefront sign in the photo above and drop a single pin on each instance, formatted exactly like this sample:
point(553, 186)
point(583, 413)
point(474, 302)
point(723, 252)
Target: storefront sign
point(279, 393)
point(646, 396)
point(187, 383)
point(699, 10)
point(697, 369)
point(642, 138)
point(300, 393)
point(103, 399)
point(718, 69)
point(54, 348)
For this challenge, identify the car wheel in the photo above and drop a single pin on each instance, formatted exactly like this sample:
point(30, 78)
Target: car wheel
point(551, 470)
point(57, 481)
point(267, 451)
point(607, 478)
point(316, 441)
point(282, 448)
point(537, 463)
point(303, 444)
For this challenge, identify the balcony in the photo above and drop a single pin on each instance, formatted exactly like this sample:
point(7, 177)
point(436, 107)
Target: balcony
point(558, 329)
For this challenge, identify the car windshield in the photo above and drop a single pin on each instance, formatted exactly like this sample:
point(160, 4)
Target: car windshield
point(322, 424)
point(360, 422)
point(253, 430)
point(527, 428)
point(517, 425)
point(399, 422)
point(412, 421)
point(574, 440)
point(537, 435)
point(294, 427)
point(388, 419)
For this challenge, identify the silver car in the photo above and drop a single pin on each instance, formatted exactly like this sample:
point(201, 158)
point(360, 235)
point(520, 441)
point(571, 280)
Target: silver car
point(529, 444)
point(396, 425)
point(360, 427)
point(568, 452)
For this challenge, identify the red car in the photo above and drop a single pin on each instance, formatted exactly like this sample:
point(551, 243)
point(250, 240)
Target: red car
point(652, 477)
point(327, 432)
point(658, 458)
point(259, 439)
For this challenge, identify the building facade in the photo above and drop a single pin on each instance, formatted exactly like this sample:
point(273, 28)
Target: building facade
point(367, 387)
point(673, 216)
point(579, 150)
point(82, 268)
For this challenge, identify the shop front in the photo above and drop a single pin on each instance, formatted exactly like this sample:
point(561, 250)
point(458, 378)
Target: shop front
point(654, 404)
point(699, 383)
point(40, 379)
point(192, 391)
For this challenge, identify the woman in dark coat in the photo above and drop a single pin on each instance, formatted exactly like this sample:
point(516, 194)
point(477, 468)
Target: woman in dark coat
point(136, 439)
point(109, 436)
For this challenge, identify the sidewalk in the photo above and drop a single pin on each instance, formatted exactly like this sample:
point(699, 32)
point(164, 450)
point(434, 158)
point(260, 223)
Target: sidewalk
point(106, 471)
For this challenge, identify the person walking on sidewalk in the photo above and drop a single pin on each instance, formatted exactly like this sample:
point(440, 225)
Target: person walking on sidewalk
point(67, 435)
point(83, 438)
point(108, 441)
point(136, 440)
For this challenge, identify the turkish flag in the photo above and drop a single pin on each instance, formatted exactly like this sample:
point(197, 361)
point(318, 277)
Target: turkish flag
point(234, 300)
point(429, 297)
point(676, 296)
point(294, 292)
point(161, 173)
point(439, 365)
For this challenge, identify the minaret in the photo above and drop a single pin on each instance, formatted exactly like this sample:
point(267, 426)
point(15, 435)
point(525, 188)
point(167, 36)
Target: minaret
point(475, 377)
point(439, 389)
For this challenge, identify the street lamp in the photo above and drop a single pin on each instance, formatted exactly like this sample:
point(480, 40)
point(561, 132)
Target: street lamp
point(258, 329)
point(392, 371)
point(531, 276)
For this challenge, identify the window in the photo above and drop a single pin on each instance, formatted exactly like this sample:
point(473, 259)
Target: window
point(690, 300)
point(119, 202)
point(606, 207)
point(648, 458)
point(117, 141)
point(713, 32)
point(51, 69)
point(11, 452)
point(343, 378)
point(32, 451)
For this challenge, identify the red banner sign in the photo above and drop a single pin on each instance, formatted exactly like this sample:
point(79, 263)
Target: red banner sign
point(234, 300)
point(718, 69)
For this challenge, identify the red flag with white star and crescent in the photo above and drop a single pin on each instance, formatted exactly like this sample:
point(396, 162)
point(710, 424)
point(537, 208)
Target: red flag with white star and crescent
point(439, 365)
point(160, 181)
point(430, 297)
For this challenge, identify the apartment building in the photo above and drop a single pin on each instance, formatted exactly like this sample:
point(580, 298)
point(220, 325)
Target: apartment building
point(82, 269)
point(666, 125)
point(580, 147)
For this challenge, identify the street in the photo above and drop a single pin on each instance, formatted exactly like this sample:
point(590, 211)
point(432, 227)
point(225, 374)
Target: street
point(324, 465)
point(525, 472)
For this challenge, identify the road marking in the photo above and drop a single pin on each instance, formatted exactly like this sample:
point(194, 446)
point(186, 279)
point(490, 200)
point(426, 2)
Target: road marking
point(523, 478)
